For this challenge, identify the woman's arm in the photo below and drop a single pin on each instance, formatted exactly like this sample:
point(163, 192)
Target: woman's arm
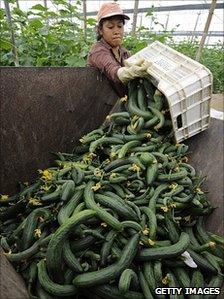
point(106, 63)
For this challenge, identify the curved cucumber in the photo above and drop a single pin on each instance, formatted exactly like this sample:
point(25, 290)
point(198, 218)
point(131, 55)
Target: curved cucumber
point(52, 287)
point(55, 247)
point(100, 212)
point(127, 276)
point(105, 275)
point(166, 251)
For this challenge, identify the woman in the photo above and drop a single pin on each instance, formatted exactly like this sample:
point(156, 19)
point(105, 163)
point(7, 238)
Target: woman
point(107, 54)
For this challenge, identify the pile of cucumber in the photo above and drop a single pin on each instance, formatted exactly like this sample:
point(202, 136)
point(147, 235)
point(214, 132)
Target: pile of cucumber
point(119, 217)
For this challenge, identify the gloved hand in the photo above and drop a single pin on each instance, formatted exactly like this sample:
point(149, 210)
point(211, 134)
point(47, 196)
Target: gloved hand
point(133, 70)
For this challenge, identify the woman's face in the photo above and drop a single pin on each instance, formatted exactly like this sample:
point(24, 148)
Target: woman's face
point(113, 31)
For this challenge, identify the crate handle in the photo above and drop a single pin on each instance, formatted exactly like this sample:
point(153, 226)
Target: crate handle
point(179, 121)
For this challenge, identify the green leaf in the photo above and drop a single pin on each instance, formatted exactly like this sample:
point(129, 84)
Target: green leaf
point(41, 61)
point(84, 51)
point(58, 2)
point(39, 7)
point(2, 13)
point(36, 24)
point(5, 45)
point(64, 12)
point(75, 61)
point(19, 12)
point(91, 21)
point(150, 12)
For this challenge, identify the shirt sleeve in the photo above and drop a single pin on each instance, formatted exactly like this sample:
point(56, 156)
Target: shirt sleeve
point(104, 61)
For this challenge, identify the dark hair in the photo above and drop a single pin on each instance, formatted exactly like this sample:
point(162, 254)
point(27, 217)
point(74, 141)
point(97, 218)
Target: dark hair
point(100, 26)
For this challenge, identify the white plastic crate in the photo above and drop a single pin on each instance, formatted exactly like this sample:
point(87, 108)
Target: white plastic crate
point(185, 83)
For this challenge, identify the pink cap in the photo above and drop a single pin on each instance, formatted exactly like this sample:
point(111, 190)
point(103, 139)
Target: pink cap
point(110, 9)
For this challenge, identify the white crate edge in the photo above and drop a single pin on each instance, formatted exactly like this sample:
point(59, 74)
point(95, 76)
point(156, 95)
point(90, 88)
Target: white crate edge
point(174, 74)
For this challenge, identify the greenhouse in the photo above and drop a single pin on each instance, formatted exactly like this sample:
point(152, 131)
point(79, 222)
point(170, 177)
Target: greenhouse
point(111, 149)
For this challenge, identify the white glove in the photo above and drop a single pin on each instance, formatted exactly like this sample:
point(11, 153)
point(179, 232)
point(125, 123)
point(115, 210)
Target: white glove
point(132, 71)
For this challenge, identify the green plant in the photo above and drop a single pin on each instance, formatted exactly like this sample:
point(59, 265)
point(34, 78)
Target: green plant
point(47, 38)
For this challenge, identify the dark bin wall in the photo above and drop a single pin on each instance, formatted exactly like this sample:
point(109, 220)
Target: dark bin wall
point(46, 110)
point(206, 155)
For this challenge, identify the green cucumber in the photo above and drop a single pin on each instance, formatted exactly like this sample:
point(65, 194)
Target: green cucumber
point(111, 292)
point(106, 247)
point(134, 110)
point(144, 286)
point(116, 204)
point(52, 287)
point(31, 251)
point(149, 275)
point(157, 192)
point(160, 116)
point(151, 173)
point(100, 212)
point(172, 176)
point(152, 222)
point(166, 251)
point(31, 224)
point(70, 259)
point(197, 281)
point(66, 211)
point(55, 247)
point(99, 142)
point(173, 283)
point(201, 262)
point(182, 277)
point(106, 274)
point(158, 274)
point(126, 147)
point(127, 277)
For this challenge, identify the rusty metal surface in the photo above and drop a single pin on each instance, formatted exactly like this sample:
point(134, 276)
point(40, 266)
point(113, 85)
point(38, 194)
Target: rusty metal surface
point(206, 155)
point(46, 110)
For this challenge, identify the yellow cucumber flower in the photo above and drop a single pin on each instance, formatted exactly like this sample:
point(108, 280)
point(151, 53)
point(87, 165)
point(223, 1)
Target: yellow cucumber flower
point(45, 174)
point(145, 231)
point(98, 172)
point(112, 175)
point(135, 167)
point(45, 188)
point(173, 186)
point(34, 202)
point(4, 196)
point(166, 280)
point(96, 187)
point(199, 191)
point(103, 224)
point(151, 242)
point(149, 135)
point(164, 208)
point(113, 154)
point(124, 99)
point(212, 244)
point(37, 233)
